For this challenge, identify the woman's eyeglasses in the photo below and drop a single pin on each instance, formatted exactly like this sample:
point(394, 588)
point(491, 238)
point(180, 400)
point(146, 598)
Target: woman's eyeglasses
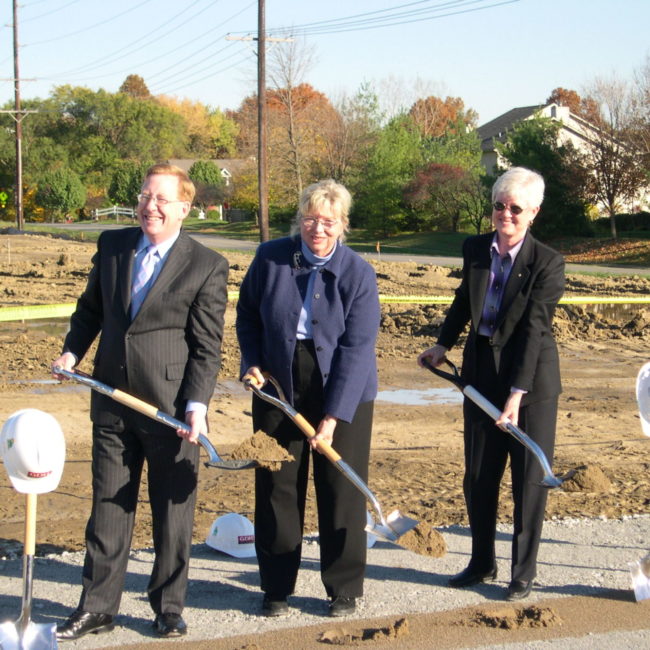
point(311, 222)
point(514, 209)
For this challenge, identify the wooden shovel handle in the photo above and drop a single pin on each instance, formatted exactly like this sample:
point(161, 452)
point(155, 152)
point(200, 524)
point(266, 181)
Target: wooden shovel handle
point(324, 447)
point(135, 403)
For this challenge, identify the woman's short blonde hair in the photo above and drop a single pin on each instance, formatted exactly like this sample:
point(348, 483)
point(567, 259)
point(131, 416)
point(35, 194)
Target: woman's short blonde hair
point(318, 194)
point(521, 180)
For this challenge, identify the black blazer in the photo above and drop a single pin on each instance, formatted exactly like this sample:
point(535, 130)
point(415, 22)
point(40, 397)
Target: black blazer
point(525, 351)
point(170, 352)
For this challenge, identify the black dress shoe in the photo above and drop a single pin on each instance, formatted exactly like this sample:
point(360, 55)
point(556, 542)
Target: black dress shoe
point(80, 623)
point(169, 625)
point(274, 605)
point(519, 589)
point(342, 606)
point(468, 577)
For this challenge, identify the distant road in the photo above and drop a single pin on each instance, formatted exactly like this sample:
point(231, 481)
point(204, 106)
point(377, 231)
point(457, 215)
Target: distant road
point(224, 243)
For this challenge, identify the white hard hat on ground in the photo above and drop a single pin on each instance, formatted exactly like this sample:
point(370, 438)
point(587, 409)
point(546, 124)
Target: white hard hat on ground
point(33, 451)
point(233, 534)
point(643, 397)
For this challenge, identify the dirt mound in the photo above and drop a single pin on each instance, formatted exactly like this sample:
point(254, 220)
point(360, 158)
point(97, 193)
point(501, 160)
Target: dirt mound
point(342, 636)
point(424, 540)
point(516, 618)
point(587, 478)
point(264, 449)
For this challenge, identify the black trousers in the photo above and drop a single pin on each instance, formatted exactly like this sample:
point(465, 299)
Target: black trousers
point(118, 456)
point(280, 496)
point(487, 449)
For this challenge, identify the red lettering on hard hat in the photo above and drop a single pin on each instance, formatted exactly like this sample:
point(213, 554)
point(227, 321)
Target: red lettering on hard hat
point(245, 539)
point(38, 474)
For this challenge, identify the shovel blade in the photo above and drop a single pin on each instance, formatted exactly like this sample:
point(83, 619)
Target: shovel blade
point(232, 464)
point(35, 636)
point(640, 572)
point(395, 525)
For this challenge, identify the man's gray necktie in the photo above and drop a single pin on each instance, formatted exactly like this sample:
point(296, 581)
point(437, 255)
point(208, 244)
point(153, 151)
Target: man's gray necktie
point(142, 281)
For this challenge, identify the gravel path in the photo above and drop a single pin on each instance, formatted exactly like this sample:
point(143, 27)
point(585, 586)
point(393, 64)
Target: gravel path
point(577, 557)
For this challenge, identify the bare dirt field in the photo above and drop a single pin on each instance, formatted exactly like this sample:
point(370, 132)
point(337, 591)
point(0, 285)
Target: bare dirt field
point(416, 461)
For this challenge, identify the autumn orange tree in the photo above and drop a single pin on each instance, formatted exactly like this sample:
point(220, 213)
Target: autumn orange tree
point(435, 117)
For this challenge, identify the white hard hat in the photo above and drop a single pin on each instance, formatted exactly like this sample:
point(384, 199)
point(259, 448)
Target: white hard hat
point(33, 451)
point(233, 534)
point(643, 397)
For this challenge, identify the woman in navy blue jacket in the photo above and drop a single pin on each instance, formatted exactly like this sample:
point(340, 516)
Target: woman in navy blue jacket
point(308, 313)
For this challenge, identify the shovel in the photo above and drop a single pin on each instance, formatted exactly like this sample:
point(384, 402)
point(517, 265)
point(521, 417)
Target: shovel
point(24, 634)
point(148, 409)
point(390, 528)
point(640, 571)
point(549, 480)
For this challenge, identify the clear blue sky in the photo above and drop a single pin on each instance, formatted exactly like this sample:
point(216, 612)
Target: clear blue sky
point(494, 54)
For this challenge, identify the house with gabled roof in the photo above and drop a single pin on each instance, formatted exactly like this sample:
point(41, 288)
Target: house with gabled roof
point(573, 129)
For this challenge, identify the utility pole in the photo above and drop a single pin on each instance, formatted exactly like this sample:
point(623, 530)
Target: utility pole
point(262, 167)
point(18, 115)
point(20, 220)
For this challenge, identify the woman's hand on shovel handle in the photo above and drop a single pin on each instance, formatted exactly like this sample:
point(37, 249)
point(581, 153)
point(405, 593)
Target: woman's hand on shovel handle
point(67, 361)
point(434, 356)
point(325, 432)
point(254, 376)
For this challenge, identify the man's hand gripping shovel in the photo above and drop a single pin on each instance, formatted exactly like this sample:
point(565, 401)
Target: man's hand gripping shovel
point(550, 480)
point(214, 460)
point(391, 527)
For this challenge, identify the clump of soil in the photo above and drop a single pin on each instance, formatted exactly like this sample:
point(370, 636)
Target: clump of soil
point(587, 478)
point(341, 636)
point(264, 449)
point(424, 540)
point(515, 618)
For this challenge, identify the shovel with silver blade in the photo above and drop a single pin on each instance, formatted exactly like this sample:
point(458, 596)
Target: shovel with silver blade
point(391, 527)
point(549, 480)
point(214, 460)
point(24, 634)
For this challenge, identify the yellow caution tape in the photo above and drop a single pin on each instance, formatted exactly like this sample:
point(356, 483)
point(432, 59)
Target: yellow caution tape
point(34, 312)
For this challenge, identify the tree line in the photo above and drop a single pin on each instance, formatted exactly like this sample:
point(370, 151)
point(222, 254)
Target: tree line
point(416, 169)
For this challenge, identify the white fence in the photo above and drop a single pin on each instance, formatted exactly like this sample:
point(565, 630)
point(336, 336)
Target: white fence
point(116, 211)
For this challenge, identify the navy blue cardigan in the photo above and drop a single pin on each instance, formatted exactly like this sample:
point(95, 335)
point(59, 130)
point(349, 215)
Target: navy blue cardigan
point(345, 321)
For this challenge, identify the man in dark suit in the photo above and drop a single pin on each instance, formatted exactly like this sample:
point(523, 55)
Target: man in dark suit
point(158, 298)
point(510, 286)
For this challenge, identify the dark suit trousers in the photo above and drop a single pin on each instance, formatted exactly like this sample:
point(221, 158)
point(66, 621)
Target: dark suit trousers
point(280, 496)
point(119, 452)
point(487, 449)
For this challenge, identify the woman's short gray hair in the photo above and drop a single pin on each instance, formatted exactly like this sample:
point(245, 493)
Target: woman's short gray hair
point(518, 180)
point(323, 192)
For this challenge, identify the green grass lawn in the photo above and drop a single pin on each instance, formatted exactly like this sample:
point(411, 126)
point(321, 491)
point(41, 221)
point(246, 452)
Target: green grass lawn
point(624, 251)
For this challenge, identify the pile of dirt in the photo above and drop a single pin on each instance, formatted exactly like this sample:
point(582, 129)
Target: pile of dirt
point(424, 540)
point(515, 618)
point(264, 449)
point(343, 636)
point(587, 478)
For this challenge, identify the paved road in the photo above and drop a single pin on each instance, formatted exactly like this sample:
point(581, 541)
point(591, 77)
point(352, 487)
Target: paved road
point(223, 243)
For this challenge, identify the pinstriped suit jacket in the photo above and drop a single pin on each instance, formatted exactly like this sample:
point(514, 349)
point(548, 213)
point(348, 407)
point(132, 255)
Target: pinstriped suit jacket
point(170, 352)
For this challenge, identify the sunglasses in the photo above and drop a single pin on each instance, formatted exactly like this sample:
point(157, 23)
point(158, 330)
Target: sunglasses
point(514, 209)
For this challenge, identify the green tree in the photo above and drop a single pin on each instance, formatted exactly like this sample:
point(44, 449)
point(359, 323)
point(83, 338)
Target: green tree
point(210, 186)
point(60, 192)
point(392, 163)
point(534, 144)
point(126, 182)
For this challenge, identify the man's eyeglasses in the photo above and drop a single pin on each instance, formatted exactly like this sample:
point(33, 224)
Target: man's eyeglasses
point(310, 222)
point(145, 198)
point(514, 209)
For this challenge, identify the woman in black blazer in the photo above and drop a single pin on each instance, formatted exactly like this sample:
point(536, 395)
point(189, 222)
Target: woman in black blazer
point(511, 284)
